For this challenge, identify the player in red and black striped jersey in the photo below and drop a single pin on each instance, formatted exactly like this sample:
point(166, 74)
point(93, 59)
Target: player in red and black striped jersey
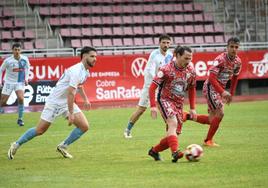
point(214, 89)
point(173, 80)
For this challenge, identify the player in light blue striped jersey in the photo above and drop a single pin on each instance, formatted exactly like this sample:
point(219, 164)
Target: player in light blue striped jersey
point(16, 68)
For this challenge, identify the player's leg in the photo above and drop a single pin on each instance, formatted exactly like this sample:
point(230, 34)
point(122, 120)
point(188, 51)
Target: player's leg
point(141, 108)
point(215, 109)
point(27, 136)
point(82, 125)
point(133, 119)
point(20, 96)
point(6, 92)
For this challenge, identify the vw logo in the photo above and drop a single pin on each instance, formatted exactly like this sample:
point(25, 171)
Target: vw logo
point(138, 66)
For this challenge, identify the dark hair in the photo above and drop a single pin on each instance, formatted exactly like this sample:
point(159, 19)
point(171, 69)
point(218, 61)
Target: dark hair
point(16, 45)
point(181, 49)
point(233, 40)
point(164, 37)
point(86, 49)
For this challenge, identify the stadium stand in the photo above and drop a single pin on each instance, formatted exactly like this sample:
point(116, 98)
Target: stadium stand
point(73, 23)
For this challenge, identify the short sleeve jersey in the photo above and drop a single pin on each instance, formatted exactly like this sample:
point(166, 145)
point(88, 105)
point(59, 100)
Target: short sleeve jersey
point(16, 70)
point(155, 61)
point(226, 68)
point(73, 76)
point(174, 81)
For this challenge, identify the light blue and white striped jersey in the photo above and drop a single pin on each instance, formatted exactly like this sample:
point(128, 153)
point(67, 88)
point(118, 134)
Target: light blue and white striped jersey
point(155, 61)
point(16, 70)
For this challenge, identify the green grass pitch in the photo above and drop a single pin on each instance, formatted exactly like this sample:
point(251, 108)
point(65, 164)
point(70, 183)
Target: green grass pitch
point(103, 158)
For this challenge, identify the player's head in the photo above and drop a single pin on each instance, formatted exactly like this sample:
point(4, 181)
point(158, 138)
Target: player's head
point(183, 55)
point(16, 50)
point(88, 56)
point(232, 46)
point(164, 42)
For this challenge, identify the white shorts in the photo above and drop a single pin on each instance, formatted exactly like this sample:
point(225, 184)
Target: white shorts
point(8, 88)
point(52, 111)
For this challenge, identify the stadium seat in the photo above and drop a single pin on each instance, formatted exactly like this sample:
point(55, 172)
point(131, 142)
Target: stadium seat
point(189, 29)
point(179, 29)
point(128, 31)
point(218, 28)
point(86, 10)
point(138, 30)
point(178, 40)
point(75, 10)
point(138, 41)
point(117, 42)
point(148, 30)
point(148, 41)
point(198, 17)
point(17, 34)
point(28, 45)
point(168, 18)
point(128, 42)
point(219, 39)
point(65, 21)
point(209, 39)
point(76, 43)
point(117, 20)
point(159, 29)
point(168, 29)
point(86, 20)
point(188, 7)
point(76, 21)
point(96, 31)
point(75, 32)
point(107, 42)
point(96, 42)
point(107, 31)
point(5, 46)
point(86, 42)
point(65, 32)
point(188, 18)
point(178, 18)
point(118, 31)
point(54, 21)
point(148, 8)
point(8, 24)
point(127, 20)
point(29, 34)
point(209, 28)
point(148, 19)
point(199, 39)
point(39, 44)
point(137, 19)
point(44, 11)
point(107, 20)
point(6, 35)
point(18, 23)
point(65, 10)
point(199, 28)
point(86, 32)
point(188, 40)
point(54, 11)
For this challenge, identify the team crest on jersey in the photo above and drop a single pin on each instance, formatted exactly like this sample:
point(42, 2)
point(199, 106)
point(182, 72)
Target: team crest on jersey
point(160, 74)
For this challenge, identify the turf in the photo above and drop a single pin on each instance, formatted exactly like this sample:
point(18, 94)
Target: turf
point(103, 158)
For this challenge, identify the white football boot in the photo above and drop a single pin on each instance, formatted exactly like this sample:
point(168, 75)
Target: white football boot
point(61, 148)
point(12, 150)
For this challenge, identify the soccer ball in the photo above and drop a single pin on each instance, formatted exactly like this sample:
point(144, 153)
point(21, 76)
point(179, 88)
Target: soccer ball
point(193, 152)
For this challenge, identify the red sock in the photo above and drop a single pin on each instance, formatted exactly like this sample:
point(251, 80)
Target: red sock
point(203, 119)
point(214, 125)
point(173, 143)
point(163, 145)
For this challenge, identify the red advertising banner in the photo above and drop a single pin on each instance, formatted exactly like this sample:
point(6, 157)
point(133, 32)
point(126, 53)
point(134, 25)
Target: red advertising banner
point(120, 77)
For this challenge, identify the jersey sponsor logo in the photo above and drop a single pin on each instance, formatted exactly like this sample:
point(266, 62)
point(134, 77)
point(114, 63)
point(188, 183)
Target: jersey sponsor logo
point(260, 68)
point(160, 74)
point(138, 66)
point(17, 69)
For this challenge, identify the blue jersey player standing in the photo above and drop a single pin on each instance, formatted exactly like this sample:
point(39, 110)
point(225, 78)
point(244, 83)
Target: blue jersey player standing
point(16, 69)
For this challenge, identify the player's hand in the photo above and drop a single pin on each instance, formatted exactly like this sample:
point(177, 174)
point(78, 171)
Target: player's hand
point(26, 83)
point(70, 119)
point(227, 97)
point(154, 112)
point(193, 113)
point(87, 105)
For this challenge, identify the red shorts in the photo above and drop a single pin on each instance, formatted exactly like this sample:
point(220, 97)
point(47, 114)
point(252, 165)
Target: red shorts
point(170, 109)
point(213, 98)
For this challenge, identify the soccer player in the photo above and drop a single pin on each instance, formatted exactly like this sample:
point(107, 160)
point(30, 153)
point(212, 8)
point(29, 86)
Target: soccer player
point(173, 80)
point(16, 69)
point(60, 102)
point(228, 68)
point(157, 58)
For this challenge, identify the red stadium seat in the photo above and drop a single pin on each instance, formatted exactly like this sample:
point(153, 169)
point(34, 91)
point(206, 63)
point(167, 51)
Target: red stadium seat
point(137, 19)
point(198, 17)
point(209, 39)
point(148, 8)
point(128, 31)
point(188, 40)
point(127, 20)
point(18, 23)
point(54, 21)
point(148, 41)
point(29, 34)
point(107, 31)
point(178, 40)
point(107, 20)
point(86, 32)
point(76, 21)
point(117, 42)
point(117, 20)
point(5, 46)
point(219, 39)
point(96, 42)
point(128, 42)
point(178, 18)
point(86, 42)
point(39, 44)
point(209, 28)
point(199, 28)
point(18, 34)
point(118, 31)
point(159, 29)
point(76, 43)
point(188, 18)
point(65, 32)
point(6, 35)
point(138, 30)
point(8, 24)
point(86, 20)
point(148, 30)
point(28, 45)
point(179, 29)
point(96, 31)
point(54, 11)
point(168, 29)
point(138, 42)
point(75, 32)
point(107, 42)
point(199, 39)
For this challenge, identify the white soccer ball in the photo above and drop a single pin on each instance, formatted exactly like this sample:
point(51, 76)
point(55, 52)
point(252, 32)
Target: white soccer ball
point(193, 152)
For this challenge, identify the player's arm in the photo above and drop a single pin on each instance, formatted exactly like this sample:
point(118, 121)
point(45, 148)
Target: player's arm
point(70, 102)
point(152, 90)
point(2, 69)
point(27, 71)
point(81, 91)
